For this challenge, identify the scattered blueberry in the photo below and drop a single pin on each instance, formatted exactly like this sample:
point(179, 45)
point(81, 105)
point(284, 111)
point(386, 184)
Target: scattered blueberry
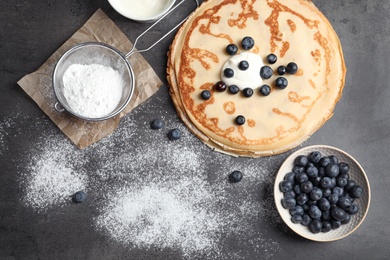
point(266, 72)
point(240, 120)
point(292, 68)
point(281, 83)
point(205, 94)
point(232, 49)
point(233, 89)
point(157, 124)
point(247, 43)
point(235, 176)
point(265, 90)
point(220, 86)
point(247, 92)
point(281, 70)
point(228, 72)
point(243, 65)
point(271, 58)
point(174, 134)
point(79, 197)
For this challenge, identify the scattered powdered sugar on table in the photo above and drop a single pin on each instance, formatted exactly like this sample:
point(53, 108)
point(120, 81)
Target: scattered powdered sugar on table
point(4, 125)
point(92, 91)
point(53, 175)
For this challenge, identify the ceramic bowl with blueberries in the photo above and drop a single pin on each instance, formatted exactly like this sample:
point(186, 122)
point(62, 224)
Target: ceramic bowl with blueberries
point(322, 193)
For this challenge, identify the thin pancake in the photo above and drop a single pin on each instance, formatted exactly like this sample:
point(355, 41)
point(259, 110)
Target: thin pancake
point(294, 30)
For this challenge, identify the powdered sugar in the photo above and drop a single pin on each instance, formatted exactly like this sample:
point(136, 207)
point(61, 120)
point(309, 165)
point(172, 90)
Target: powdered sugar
point(92, 91)
point(151, 192)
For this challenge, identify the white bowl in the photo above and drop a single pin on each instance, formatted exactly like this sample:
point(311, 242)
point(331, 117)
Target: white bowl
point(356, 173)
point(143, 11)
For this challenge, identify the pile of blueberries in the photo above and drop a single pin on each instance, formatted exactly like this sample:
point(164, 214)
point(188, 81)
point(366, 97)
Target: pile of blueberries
point(319, 192)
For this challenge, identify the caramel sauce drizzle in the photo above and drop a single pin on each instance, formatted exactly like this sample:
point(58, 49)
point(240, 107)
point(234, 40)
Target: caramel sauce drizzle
point(186, 74)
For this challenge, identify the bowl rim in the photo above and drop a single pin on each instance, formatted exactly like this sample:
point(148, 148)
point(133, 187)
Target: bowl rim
point(293, 226)
point(170, 3)
point(94, 44)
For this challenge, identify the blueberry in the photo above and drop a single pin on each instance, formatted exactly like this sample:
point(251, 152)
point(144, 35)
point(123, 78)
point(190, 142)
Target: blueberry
point(292, 68)
point(220, 86)
point(296, 219)
point(347, 219)
point(314, 157)
point(341, 181)
point(315, 226)
point(296, 210)
point(157, 124)
point(305, 207)
point(356, 191)
point(205, 94)
point(265, 90)
point(314, 212)
point(174, 134)
point(326, 193)
point(344, 203)
point(315, 180)
point(301, 160)
point(344, 167)
point(306, 186)
point(235, 176)
point(285, 186)
point(281, 70)
point(338, 213)
point(333, 182)
point(266, 72)
point(335, 224)
point(247, 92)
point(271, 58)
point(302, 198)
point(79, 197)
point(312, 171)
point(301, 177)
point(232, 49)
point(290, 193)
point(297, 189)
point(290, 176)
point(349, 185)
point(324, 161)
point(240, 120)
point(326, 226)
point(333, 159)
point(326, 183)
point(326, 215)
point(288, 202)
point(243, 65)
point(298, 169)
point(247, 43)
point(229, 73)
point(353, 209)
point(323, 204)
point(348, 196)
point(333, 198)
point(306, 219)
point(315, 194)
point(338, 190)
point(233, 89)
point(332, 170)
point(281, 83)
point(321, 171)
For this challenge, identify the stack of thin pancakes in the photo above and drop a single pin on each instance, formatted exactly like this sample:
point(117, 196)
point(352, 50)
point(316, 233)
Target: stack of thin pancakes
point(295, 31)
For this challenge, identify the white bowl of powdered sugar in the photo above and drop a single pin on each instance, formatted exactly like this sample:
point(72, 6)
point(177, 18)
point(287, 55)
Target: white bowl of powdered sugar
point(93, 81)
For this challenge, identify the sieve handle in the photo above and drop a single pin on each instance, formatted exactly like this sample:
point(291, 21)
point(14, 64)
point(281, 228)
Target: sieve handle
point(134, 50)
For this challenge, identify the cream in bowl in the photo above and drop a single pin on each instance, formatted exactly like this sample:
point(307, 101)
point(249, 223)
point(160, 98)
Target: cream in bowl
point(142, 10)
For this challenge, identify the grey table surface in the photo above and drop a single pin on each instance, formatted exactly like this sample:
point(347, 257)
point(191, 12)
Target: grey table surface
point(30, 31)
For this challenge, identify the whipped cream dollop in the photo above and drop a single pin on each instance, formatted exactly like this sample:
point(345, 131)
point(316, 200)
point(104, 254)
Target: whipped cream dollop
point(249, 78)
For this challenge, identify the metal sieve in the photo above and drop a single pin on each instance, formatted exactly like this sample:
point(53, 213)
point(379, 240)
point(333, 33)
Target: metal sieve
point(103, 54)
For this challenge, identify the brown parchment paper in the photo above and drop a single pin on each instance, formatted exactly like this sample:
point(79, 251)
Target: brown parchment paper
point(38, 85)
